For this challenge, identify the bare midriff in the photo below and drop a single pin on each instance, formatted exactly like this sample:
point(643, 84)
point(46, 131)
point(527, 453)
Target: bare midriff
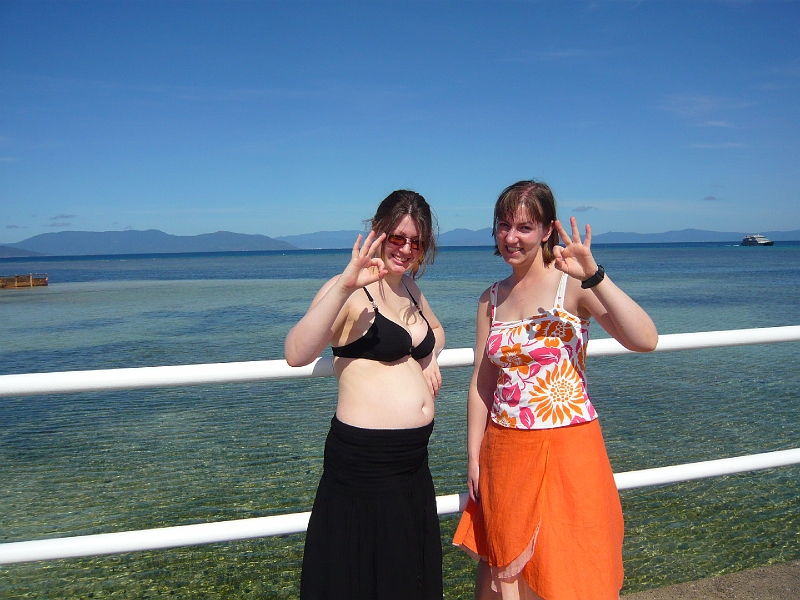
point(378, 395)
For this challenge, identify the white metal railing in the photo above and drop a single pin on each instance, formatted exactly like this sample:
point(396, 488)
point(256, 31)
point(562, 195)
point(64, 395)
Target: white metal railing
point(65, 382)
point(224, 531)
point(241, 529)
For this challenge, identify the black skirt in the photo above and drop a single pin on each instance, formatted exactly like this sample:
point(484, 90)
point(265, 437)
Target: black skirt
point(374, 532)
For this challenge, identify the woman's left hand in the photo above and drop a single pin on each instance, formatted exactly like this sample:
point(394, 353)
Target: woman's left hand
point(575, 257)
point(430, 370)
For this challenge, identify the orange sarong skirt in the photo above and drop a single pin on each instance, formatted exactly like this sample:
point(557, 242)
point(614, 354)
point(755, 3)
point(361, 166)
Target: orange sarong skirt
point(549, 509)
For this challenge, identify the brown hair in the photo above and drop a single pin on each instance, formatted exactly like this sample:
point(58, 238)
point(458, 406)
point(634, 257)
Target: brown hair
point(406, 202)
point(537, 198)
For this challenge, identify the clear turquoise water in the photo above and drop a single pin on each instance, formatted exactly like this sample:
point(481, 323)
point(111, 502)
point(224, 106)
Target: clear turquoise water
point(91, 463)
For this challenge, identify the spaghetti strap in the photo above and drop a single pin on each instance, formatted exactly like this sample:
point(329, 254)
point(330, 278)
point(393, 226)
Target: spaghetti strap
point(422, 314)
point(562, 288)
point(493, 297)
point(411, 296)
point(374, 304)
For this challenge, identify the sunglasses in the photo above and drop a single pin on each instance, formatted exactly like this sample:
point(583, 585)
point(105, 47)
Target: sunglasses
point(400, 240)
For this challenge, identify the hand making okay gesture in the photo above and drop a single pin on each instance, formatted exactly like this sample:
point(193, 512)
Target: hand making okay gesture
point(364, 267)
point(575, 257)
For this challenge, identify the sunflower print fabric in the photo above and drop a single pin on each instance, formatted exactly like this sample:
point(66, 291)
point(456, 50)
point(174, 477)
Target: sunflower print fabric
point(542, 361)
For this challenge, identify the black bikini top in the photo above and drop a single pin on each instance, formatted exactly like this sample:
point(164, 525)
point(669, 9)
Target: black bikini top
point(387, 341)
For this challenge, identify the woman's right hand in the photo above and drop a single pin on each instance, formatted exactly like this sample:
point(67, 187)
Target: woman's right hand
point(314, 331)
point(473, 474)
point(364, 268)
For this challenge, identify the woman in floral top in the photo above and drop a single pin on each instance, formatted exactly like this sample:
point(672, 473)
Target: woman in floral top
point(544, 516)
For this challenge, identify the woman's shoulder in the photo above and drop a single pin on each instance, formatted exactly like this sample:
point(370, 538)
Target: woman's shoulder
point(488, 293)
point(413, 287)
point(502, 285)
point(410, 283)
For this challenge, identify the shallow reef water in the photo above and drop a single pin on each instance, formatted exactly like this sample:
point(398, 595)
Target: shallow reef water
point(90, 463)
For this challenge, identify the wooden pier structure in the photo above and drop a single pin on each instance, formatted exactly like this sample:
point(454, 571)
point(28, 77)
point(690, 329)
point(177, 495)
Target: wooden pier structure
point(23, 281)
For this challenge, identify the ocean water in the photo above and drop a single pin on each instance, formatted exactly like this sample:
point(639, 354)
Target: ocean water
point(100, 462)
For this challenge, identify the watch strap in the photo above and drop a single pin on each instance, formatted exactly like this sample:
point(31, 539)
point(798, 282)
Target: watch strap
point(594, 279)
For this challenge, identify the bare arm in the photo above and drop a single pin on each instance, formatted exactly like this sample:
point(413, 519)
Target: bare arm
point(614, 310)
point(479, 400)
point(621, 317)
point(314, 331)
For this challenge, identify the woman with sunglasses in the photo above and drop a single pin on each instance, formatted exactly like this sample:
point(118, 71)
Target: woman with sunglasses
point(543, 515)
point(374, 529)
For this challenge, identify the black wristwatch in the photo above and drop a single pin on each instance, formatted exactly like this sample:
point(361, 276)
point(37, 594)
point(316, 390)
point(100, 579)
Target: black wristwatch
point(594, 279)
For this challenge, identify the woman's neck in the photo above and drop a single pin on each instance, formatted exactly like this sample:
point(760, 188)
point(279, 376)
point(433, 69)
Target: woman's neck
point(530, 273)
point(393, 281)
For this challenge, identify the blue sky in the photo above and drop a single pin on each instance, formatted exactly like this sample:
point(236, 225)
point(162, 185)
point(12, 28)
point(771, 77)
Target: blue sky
point(283, 118)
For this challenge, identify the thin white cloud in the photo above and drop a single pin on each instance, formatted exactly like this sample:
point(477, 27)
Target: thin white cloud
point(724, 124)
point(584, 208)
point(194, 210)
point(148, 94)
point(720, 146)
point(558, 54)
point(710, 198)
point(598, 6)
point(642, 205)
point(623, 204)
point(61, 217)
point(198, 94)
point(549, 55)
point(59, 224)
point(783, 77)
point(790, 69)
point(690, 106)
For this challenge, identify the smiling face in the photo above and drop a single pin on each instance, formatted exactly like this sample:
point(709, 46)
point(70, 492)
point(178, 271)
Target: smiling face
point(405, 213)
point(535, 200)
point(401, 257)
point(520, 238)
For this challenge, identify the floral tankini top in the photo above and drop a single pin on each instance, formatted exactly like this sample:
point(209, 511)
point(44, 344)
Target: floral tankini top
point(542, 362)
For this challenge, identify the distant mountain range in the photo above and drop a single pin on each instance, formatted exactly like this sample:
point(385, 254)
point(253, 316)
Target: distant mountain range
point(690, 235)
point(9, 252)
point(483, 237)
point(152, 241)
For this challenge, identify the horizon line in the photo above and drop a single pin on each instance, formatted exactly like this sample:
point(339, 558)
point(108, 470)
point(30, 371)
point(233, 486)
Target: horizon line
point(283, 237)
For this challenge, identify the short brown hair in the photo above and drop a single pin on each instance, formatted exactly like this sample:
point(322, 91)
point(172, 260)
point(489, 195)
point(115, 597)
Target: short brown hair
point(406, 202)
point(537, 198)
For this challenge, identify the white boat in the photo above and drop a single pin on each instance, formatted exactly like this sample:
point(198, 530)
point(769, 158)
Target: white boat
point(756, 240)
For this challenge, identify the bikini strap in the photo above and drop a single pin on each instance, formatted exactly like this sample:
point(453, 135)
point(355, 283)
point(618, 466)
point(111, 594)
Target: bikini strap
point(422, 314)
point(562, 289)
point(411, 296)
point(374, 304)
